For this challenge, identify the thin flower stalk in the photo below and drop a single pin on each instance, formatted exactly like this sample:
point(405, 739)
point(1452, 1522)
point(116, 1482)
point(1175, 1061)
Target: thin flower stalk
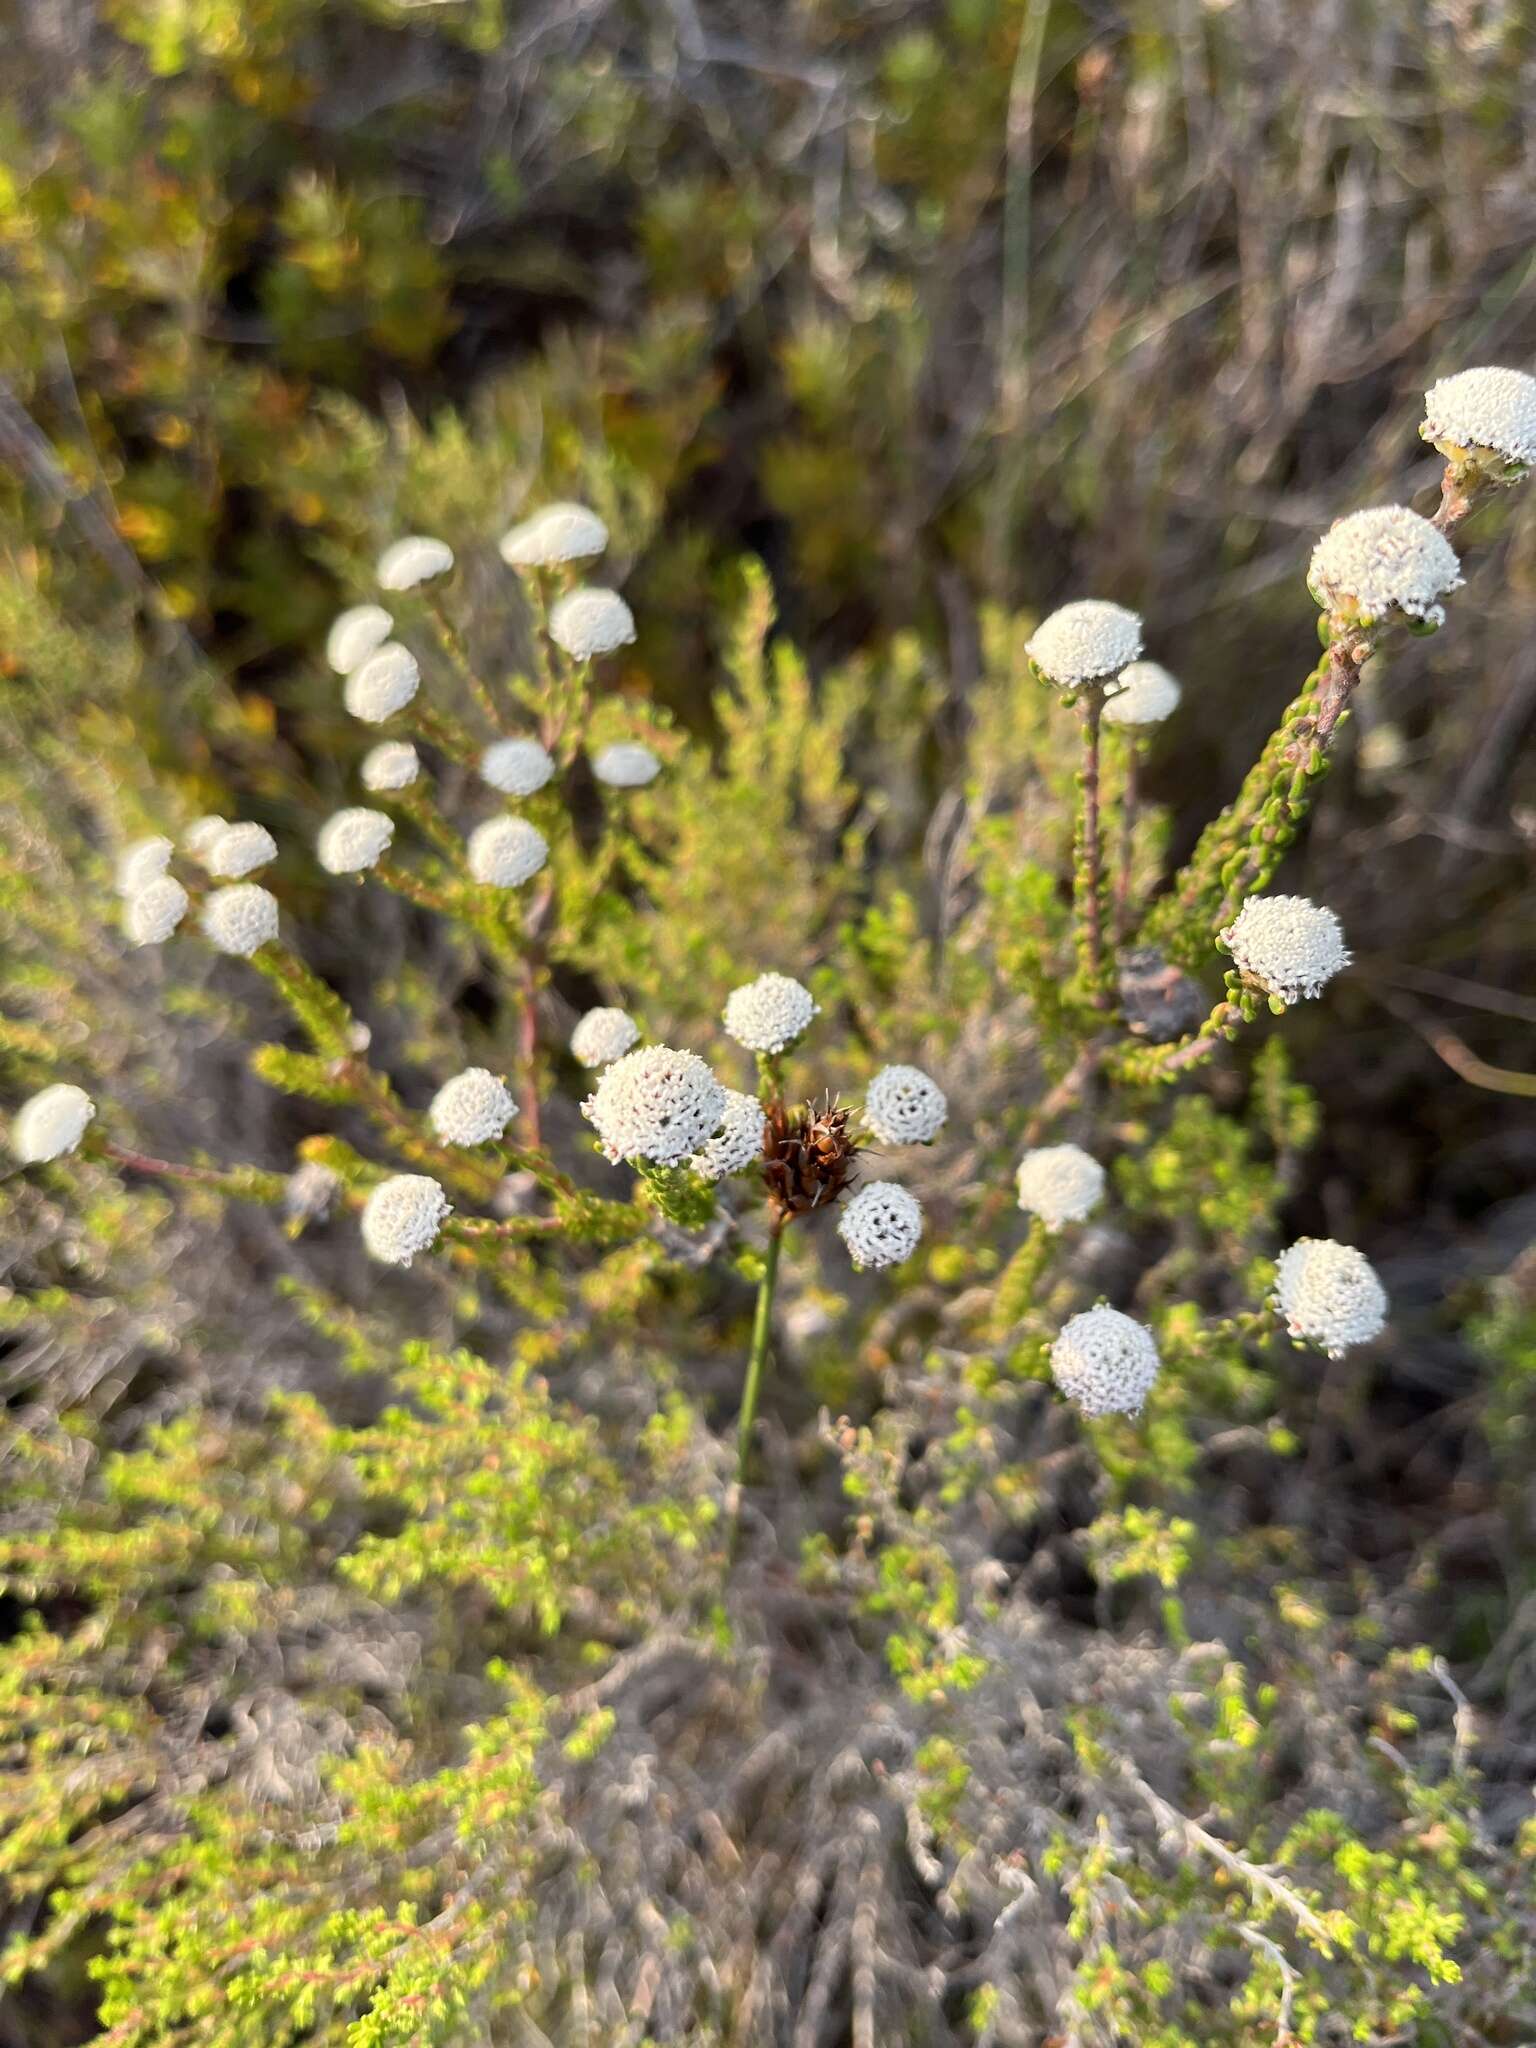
point(452, 644)
point(1088, 857)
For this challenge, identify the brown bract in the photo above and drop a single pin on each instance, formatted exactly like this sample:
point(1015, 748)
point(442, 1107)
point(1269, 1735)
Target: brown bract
point(808, 1157)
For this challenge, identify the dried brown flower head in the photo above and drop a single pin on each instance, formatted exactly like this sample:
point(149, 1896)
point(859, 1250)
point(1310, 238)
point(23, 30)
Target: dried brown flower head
point(808, 1157)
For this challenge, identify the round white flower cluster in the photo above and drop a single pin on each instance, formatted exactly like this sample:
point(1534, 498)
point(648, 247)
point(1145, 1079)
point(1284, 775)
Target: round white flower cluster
point(1329, 1294)
point(626, 765)
point(737, 1143)
point(415, 560)
point(590, 621)
point(904, 1106)
point(240, 919)
point(355, 634)
point(1147, 695)
point(403, 1216)
point(154, 912)
point(1383, 559)
point(239, 850)
point(1060, 1184)
point(140, 864)
point(201, 834)
point(392, 764)
point(655, 1104)
point(1105, 1362)
point(769, 1014)
point(517, 767)
point(506, 852)
point(1482, 414)
point(881, 1225)
point(1089, 641)
point(559, 533)
point(1290, 946)
point(383, 684)
point(353, 840)
point(471, 1109)
point(603, 1036)
point(310, 1191)
point(51, 1123)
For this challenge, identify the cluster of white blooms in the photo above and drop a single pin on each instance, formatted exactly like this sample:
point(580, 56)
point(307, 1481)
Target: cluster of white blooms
point(1329, 1294)
point(238, 850)
point(1384, 559)
point(51, 1123)
point(141, 863)
point(1060, 1184)
point(392, 764)
point(1147, 695)
point(881, 1225)
point(1089, 641)
point(415, 560)
point(1480, 413)
point(471, 1109)
point(738, 1141)
point(655, 1104)
point(590, 621)
point(1290, 946)
point(506, 852)
point(154, 912)
point(626, 765)
point(560, 533)
point(353, 840)
point(403, 1216)
point(1105, 1362)
point(904, 1106)
point(603, 1036)
point(383, 684)
point(355, 634)
point(240, 919)
point(201, 834)
point(769, 1014)
point(517, 767)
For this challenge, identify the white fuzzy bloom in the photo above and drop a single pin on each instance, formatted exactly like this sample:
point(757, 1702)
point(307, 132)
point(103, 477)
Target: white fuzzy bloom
point(353, 840)
point(1060, 1184)
point(881, 1225)
point(506, 852)
point(769, 1014)
point(355, 634)
point(1147, 695)
point(1086, 642)
point(201, 834)
point(403, 1216)
point(239, 850)
point(904, 1106)
point(471, 1109)
point(240, 919)
point(1292, 947)
point(626, 765)
point(560, 533)
point(1329, 1294)
point(603, 1036)
point(382, 685)
point(142, 863)
point(154, 912)
point(1478, 410)
point(517, 767)
point(392, 764)
point(416, 559)
point(738, 1141)
point(1382, 559)
point(310, 1191)
point(1105, 1362)
point(655, 1104)
point(51, 1123)
point(591, 621)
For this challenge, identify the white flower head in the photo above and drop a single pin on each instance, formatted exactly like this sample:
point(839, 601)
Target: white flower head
point(240, 919)
point(506, 852)
point(1487, 415)
point(1147, 695)
point(1290, 946)
point(51, 1123)
point(881, 1225)
point(769, 1014)
point(403, 1216)
point(142, 863)
point(392, 764)
point(1329, 1295)
point(355, 634)
point(904, 1106)
point(1089, 641)
point(415, 560)
point(154, 912)
point(383, 684)
point(353, 839)
point(310, 1191)
point(558, 533)
point(1105, 1362)
point(1060, 1184)
point(471, 1109)
point(1382, 560)
point(239, 850)
point(655, 1104)
point(590, 621)
point(603, 1036)
point(201, 834)
point(737, 1143)
point(626, 765)
point(517, 767)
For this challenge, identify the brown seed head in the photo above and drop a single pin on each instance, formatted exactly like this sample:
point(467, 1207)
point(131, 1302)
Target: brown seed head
point(808, 1157)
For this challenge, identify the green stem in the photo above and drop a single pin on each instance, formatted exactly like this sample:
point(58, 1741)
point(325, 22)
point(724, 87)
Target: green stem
point(1088, 866)
point(469, 675)
point(762, 1326)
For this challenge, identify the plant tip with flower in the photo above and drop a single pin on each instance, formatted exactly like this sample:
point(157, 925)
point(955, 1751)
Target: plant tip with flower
point(771, 1014)
point(51, 1123)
